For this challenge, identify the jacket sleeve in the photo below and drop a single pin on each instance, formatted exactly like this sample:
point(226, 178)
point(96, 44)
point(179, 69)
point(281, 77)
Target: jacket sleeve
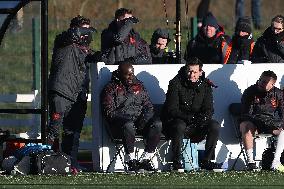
point(280, 47)
point(143, 53)
point(147, 110)
point(207, 107)
point(259, 53)
point(124, 31)
point(246, 101)
point(172, 103)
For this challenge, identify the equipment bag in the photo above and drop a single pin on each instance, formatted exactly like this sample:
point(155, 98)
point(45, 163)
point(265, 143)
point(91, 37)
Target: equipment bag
point(53, 163)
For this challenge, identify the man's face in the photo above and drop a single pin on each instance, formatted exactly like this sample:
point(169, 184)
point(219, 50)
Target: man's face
point(161, 43)
point(277, 27)
point(266, 83)
point(209, 31)
point(127, 74)
point(193, 73)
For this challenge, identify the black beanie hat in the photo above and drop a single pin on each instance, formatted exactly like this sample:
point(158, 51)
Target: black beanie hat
point(160, 33)
point(243, 24)
point(210, 20)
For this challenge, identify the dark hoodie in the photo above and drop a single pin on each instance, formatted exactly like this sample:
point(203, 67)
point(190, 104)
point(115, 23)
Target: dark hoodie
point(208, 50)
point(119, 42)
point(185, 99)
point(120, 101)
point(269, 48)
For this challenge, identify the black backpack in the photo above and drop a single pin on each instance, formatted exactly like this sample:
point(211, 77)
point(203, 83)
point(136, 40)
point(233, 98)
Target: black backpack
point(268, 156)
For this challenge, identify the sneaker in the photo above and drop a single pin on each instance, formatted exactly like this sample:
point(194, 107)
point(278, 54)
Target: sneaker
point(178, 167)
point(252, 167)
point(208, 165)
point(133, 165)
point(146, 165)
point(278, 167)
point(74, 171)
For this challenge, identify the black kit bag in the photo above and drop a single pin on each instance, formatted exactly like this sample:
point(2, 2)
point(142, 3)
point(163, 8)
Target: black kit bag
point(268, 156)
point(53, 163)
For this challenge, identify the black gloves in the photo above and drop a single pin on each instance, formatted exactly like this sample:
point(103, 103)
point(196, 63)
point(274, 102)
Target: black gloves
point(134, 19)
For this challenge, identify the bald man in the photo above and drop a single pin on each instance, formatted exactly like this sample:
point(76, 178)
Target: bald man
point(128, 110)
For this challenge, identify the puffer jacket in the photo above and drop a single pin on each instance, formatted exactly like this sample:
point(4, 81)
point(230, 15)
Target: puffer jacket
point(269, 48)
point(256, 101)
point(69, 72)
point(184, 100)
point(208, 50)
point(126, 102)
point(122, 42)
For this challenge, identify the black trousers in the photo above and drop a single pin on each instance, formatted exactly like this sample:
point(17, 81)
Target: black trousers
point(70, 117)
point(176, 130)
point(127, 129)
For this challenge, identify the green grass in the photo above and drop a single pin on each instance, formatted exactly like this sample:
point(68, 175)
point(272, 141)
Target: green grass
point(156, 180)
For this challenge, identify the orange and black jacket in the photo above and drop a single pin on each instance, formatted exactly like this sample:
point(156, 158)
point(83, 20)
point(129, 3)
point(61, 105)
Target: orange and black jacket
point(208, 50)
point(240, 48)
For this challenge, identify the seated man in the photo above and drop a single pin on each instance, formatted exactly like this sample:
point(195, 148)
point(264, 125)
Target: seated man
point(188, 111)
point(127, 108)
point(159, 47)
point(262, 112)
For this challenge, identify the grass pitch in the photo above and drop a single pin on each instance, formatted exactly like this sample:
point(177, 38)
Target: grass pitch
point(156, 180)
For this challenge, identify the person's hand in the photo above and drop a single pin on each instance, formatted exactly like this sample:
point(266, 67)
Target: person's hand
point(134, 19)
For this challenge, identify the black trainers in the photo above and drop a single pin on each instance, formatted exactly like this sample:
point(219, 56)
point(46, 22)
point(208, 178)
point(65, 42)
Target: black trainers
point(146, 165)
point(252, 167)
point(178, 167)
point(133, 165)
point(208, 165)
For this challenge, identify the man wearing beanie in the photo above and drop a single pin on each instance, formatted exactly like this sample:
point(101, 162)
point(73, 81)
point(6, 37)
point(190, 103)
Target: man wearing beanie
point(242, 42)
point(210, 44)
point(159, 47)
point(269, 47)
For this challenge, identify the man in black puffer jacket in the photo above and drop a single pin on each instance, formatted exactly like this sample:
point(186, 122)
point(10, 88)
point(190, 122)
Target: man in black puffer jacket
point(188, 111)
point(269, 48)
point(211, 44)
point(69, 86)
point(128, 110)
point(120, 41)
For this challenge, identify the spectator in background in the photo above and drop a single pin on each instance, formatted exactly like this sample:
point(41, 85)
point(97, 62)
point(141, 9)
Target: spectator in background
point(120, 41)
point(262, 112)
point(255, 11)
point(159, 47)
point(128, 110)
point(69, 86)
point(242, 43)
point(202, 11)
point(210, 44)
point(187, 113)
point(269, 47)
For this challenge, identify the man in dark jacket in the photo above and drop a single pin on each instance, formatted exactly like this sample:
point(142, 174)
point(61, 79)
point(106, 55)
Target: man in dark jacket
point(210, 45)
point(69, 86)
point(128, 110)
point(159, 47)
point(262, 112)
point(188, 111)
point(270, 46)
point(120, 41)
point(242, 43)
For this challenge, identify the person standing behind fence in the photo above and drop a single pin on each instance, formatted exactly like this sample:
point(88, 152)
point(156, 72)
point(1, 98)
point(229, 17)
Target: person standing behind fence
point(255, 11)
point(262, 112)
point(69, 86)
point(242, 43)
point(270, 46)
point(187, 113)
point(120, 41)
point(128, 110)
point(211, 44)
point(159, 47)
